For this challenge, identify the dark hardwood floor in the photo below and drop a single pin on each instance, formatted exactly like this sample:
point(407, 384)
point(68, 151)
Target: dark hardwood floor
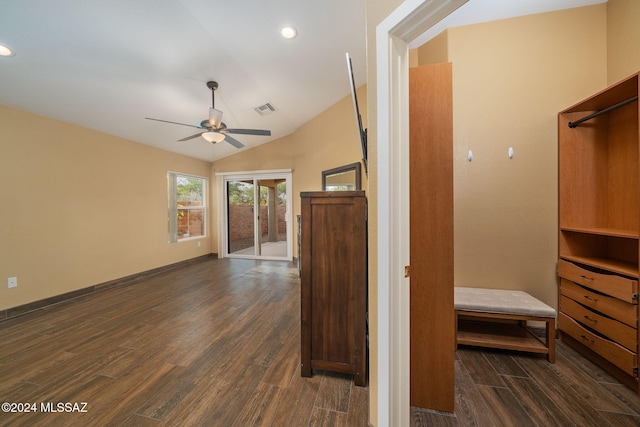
point(501, 388)
point(212, 344)
point(218, 344)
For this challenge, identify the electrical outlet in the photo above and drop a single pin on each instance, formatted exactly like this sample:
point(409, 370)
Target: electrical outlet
point(12, 282)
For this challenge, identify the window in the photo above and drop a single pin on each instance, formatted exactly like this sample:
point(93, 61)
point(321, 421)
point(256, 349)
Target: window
point(187, 206)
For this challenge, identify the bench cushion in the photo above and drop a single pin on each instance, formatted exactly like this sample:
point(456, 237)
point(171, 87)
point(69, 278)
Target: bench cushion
point(500, 301)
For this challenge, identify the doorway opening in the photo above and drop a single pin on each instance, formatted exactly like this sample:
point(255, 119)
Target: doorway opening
point(257, 215)
point(411, 19)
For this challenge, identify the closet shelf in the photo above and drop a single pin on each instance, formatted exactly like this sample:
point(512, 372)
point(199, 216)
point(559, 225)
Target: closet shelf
point(603, 231)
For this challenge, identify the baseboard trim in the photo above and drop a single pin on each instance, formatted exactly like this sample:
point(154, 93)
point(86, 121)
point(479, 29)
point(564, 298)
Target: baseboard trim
point(21, 310)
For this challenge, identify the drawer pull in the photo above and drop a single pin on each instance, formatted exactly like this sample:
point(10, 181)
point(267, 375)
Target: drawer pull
point(590, 319)
point(586, 277)
point(591, 299)
point(587, 339)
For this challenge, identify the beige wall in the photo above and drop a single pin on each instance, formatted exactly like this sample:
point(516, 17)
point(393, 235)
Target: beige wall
point(509, 81)
point(87, 207)
point(623, 39)
point(327, 141)
point(81, 207)
point(436, 51)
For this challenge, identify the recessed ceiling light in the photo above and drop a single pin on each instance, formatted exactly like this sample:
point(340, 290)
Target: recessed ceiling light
point(289, 32)
point(5, 51)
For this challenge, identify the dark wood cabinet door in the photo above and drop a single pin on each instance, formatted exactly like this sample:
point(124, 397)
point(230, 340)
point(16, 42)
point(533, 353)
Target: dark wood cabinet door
point(334, 283)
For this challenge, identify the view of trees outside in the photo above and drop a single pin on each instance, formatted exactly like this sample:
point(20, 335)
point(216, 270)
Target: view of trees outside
point(241, 193)
point(241, 213)
point(190, 201)
point(281, 190)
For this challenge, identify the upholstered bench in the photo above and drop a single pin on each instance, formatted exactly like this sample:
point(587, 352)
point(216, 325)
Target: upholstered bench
point(510, 311)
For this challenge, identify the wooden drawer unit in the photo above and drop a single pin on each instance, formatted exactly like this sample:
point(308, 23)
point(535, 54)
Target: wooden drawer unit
point(610, 328)
point(621, 357)
point(610, 284)
point(612, 307)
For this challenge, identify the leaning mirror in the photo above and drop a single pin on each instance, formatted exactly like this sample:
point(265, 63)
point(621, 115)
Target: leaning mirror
point(343, 178)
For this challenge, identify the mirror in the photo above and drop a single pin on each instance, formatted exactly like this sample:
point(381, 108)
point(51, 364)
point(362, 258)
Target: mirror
point(343, 178)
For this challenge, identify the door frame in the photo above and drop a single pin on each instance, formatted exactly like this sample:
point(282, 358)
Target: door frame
point(393, 35)
point(223, 178)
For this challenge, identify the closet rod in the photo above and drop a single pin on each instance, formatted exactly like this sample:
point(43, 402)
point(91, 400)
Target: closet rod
point(605, 110)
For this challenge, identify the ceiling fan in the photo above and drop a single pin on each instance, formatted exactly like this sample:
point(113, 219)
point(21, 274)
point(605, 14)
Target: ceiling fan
point(214, 130)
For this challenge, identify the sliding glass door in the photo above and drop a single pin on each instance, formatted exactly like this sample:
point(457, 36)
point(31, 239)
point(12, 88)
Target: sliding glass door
point(257, 216)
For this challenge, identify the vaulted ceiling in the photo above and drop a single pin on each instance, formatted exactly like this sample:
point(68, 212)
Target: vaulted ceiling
point(107, 65)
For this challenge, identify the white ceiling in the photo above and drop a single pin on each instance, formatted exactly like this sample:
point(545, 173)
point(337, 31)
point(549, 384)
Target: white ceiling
point(107, 65)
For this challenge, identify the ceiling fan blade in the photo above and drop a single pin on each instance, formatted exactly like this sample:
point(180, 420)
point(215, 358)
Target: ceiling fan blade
point(191, 137)
point(233, 141)
point(249, 132)
point(175, 123)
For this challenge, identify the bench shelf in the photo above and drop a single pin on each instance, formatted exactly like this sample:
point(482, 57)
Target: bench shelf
point(507, 336)
point(497, 318)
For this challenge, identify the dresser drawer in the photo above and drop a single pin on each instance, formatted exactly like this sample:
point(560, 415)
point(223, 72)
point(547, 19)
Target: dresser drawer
point(610, 284)
point(614, 353)
point(612, 329)
point(612, 307)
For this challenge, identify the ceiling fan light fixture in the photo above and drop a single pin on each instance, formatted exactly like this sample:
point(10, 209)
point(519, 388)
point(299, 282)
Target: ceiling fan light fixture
point(213, 137)
point(6, 51)
point(289, 32)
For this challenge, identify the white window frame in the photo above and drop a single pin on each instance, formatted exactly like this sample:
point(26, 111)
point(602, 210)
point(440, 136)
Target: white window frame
point(172, 185)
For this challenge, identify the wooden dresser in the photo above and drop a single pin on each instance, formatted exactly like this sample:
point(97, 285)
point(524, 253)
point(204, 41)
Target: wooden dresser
point(599, 219)
point(333, 258)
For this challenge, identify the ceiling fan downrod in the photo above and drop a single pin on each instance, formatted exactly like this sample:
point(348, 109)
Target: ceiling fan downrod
point(213, 86)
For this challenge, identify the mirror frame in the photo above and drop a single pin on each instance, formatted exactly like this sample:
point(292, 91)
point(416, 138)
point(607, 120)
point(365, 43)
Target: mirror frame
point(342, 169)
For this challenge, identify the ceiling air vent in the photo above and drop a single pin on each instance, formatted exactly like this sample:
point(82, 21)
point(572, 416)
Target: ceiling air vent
point(265, 109)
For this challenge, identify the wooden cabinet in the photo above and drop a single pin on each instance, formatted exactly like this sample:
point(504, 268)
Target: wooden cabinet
point(333, 257)
point(599, 219)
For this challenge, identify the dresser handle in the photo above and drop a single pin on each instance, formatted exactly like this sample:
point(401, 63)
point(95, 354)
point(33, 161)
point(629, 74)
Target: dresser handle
point(591, 320)
point(590, 299)
point(587, 339)
point(586, 277)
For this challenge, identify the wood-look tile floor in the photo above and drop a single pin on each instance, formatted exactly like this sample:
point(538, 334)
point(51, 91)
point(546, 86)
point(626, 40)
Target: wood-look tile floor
point(218, 344)
point(212, 344)
point(500, 388)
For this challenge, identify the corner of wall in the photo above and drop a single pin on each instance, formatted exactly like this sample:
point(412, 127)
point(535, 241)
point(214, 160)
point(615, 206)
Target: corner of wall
point(623, 39)
point(435, 51)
